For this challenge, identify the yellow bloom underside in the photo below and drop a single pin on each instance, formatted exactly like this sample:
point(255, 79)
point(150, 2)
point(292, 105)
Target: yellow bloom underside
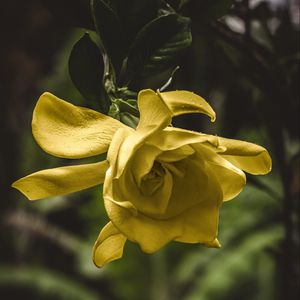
point(161, 183)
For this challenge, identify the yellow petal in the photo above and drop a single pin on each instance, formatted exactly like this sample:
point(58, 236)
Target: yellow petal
point(150, 234)
point(172, 138)
point(65, 130)
point(109, 245)
point(129, 187)
point(142, 161)
point(121, 148)
point(198, 224)
point(197, 184)
point(231, 179)
point(154, 114)
point(201, 218)
point(214, 244)
point(183, 102)
point(60, 181)
point(151, 197)
point(191, 223)
point(114, 149)
point(249, 157)
point(176, 154)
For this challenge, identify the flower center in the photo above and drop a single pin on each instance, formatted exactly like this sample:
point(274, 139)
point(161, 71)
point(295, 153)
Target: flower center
point(152, 181)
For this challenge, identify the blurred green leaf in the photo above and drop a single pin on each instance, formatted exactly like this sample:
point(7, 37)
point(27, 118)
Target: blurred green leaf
point(86, 70)
point(157, 45)
point(45, 282)
point(237, 263)
point(260, 184)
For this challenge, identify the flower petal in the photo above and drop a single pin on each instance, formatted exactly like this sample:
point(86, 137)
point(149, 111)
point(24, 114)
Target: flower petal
point(114, 149)
point(152, 128)
point(142, 161)
point(65, 130)
point(146, 198)
point(109, 245)
point(198, 224)
point(231, 179)
point(249, 157)
point(122, 146)
point(214, 244)
point(172, 138)
point(196, 185)
point(60, 181)
point(193, 223)
point(183, 102)
point(149, 233)
point(176, 154)
point(154, 114)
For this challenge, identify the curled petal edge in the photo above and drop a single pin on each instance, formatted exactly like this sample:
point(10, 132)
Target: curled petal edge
point(108, 246)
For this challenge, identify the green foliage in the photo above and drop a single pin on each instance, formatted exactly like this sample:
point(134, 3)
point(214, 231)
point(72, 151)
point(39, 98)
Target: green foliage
point(157, 45)
point(118, 22)
point(110, 31)
point(46, 283)
point(134, 15)
point(242, 262)
point(138, 39)
point(86, 69)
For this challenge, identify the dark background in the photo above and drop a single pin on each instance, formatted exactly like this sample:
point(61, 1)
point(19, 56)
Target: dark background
point(246, 64)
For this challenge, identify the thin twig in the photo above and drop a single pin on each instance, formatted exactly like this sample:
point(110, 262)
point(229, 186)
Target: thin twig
point(36, 224)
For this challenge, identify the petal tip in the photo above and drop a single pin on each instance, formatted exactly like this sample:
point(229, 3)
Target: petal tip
point(46, 95)
point(97, 264)
point(269, 164)
point(214, 244)
point(18, 186)
point(213, 117)
point(145, 91)
point(108, 246)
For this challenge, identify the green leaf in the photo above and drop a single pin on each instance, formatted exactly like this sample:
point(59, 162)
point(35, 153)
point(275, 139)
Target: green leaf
point(110, 31)
point(157, 46)
point(44, 283)
point(86, 71)
point(134, 14)
point(128, 106)
point(238, 262)
point(129, 120)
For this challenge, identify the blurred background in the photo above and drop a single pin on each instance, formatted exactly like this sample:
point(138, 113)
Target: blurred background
point(246, 64)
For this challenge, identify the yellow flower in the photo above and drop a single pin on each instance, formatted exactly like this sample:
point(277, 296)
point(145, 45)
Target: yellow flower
point(160, 183)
